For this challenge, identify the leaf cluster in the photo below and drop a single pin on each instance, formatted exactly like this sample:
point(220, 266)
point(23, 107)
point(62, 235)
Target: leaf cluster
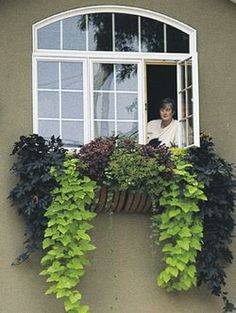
point(178, 226)
point(216, 215)
point(31, 195)
point(94, 156)
point(66, 238)
point(137, 168)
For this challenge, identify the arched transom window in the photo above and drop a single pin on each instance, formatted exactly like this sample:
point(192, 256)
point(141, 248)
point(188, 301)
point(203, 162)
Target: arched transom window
point(102, 71)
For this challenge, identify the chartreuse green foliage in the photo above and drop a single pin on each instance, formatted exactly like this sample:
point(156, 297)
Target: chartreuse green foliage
point(180, 228)
point(66, 240)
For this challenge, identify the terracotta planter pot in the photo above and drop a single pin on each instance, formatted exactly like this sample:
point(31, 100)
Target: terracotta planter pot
point(122, 201)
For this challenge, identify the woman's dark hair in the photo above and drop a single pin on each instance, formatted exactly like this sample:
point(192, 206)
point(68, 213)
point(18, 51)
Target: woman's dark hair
point(168, 102)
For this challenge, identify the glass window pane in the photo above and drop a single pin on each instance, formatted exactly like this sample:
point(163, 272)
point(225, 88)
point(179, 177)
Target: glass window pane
point(72, 75)
point(74, 33)
point(100, 31)
point(49, 36)
point(177, 41)
point(190, 131)
point(126, 32)
point(128, 129)
point(72, 133)
point(104, 129)
point(190, 101)
point(103, 76)
point(48, 75)
point(48, 104)
point(152, 35)
point(183, 78)
point(104, 105)
point(49, 128)
point(183, 104)
point(72, 105)
point(126, 77)
point(183, 132)
point(189, 73)
point(127, 107)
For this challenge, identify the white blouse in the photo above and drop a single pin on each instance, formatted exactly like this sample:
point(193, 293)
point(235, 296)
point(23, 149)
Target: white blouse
point(168, 135)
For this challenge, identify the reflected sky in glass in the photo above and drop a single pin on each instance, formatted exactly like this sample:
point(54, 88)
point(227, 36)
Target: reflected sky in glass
point(48, 75)
point(49, 36)
point(74, 36)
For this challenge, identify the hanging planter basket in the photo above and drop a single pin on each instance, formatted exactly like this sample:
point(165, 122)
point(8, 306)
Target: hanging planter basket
point(122, 201)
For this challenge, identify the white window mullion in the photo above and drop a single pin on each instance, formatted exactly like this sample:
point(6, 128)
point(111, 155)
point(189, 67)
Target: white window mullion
point(165, 38)
point(87, 32)
point(60, 105)
point(91, 99)
point(61, 35)
point(141, 105)
point(195, 95)
point(35, 95)
point(179, 105)
point(115, 98)
point(139, 35)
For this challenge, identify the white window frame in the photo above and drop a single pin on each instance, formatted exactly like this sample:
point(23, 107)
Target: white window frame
point(116, 57)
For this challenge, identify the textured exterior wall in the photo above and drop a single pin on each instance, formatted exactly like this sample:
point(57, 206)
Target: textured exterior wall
point(122, 275)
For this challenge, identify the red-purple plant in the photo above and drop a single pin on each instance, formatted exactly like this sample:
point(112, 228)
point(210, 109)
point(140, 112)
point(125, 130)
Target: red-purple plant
point(95, 156)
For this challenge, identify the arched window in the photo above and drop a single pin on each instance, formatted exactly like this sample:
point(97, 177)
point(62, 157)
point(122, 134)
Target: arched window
point(100, 71)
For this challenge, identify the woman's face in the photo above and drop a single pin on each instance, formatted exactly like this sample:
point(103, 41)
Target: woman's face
point(166, 113)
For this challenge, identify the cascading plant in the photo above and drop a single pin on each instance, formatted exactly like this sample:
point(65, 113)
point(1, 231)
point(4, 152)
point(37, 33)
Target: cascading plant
point(56, 193)
point(178, 226)
point(66, 240)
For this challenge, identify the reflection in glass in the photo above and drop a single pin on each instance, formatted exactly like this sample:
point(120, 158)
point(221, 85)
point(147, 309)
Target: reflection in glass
point(72, 105)
point(49, 36)
point(48, 104)
point(128, 129)
point(100, 31)
point(104, 107)
point(183, 78)
point(127, 106)
point(190, 101)
point(190, 131)
point(177, 41)
point(48, 75)
point(126, 32)
point(71, 76)
point(126, 77)
point(103, 76)
point(183, 133)
point(49, 128)
point(183, 104)
point(72, 133)
point(152, 35)
point(189, 73)
point(74, 37)
point(104, 128)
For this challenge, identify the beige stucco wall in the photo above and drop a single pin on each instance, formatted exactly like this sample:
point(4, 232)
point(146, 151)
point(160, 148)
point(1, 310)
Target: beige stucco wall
point(122, 275)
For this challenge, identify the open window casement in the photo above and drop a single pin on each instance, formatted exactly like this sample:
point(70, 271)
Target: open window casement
point(188, 102)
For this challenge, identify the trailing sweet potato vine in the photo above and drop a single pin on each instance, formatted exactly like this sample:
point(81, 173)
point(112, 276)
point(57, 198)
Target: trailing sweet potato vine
point(66, 240)
point(183, 196)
